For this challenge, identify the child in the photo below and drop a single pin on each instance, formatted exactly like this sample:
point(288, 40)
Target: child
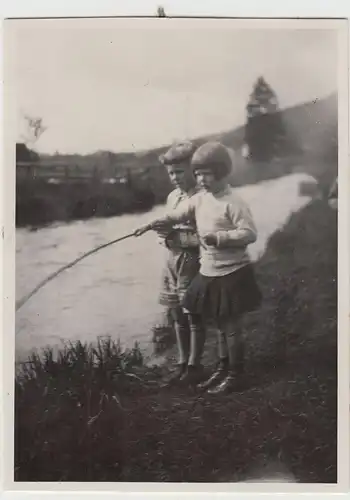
point(181, 265)
point(225, 288)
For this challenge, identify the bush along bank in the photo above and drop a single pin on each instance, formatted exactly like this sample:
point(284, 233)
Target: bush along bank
point(39, 203)
point(99, 414)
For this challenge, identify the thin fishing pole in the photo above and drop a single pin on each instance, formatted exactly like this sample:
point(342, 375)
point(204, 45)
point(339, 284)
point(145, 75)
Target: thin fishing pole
point(49, 278)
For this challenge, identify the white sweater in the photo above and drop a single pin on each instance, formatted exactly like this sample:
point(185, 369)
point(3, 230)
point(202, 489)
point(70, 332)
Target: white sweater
point(226, 215)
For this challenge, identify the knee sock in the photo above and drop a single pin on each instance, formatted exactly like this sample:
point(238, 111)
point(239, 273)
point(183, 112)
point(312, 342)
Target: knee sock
point(197, 340)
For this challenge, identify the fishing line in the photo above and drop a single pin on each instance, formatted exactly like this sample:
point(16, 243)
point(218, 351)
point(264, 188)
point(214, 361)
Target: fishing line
point(49, 278)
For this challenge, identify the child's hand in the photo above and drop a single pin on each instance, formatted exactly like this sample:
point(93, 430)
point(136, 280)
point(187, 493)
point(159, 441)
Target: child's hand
point(210, 239)
point(161, 225)
point(142, 230)
point(157, 225)
point(162, 233)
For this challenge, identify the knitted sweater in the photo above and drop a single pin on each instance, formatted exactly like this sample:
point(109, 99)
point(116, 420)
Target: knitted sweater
point(184, 230)
point(226, 215)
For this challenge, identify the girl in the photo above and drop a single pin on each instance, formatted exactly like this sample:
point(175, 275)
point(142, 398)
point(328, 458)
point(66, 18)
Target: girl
point(225, 288)
point(181, 265)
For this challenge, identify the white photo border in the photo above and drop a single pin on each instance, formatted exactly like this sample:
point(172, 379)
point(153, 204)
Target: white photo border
point(212, 8)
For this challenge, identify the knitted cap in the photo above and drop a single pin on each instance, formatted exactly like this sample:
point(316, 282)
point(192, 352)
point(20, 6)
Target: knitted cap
point(215, 156)
point(178, 153)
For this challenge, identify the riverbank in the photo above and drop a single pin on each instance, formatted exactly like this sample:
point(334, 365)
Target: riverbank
point(39, 203)
point(100, 415)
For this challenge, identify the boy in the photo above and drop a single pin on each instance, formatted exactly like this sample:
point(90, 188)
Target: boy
point(181, 266)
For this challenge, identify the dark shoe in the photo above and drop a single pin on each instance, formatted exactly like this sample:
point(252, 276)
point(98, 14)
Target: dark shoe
point(216, 377)
point(192, 376)
point(176, 376)
point(229, 384)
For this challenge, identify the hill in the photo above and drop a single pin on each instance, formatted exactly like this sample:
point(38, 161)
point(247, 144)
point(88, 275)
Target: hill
point(139, 181)
point(311, 126)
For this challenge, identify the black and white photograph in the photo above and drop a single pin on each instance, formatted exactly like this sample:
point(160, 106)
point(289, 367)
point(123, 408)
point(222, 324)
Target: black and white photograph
point(176, 249)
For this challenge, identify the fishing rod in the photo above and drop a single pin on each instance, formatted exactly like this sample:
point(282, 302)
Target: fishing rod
point(49, 278)
point(137, 232)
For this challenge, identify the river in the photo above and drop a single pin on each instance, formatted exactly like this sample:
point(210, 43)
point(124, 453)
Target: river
point(114, 292)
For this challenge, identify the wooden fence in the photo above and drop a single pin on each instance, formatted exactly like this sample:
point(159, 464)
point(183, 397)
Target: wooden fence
point(62, 173)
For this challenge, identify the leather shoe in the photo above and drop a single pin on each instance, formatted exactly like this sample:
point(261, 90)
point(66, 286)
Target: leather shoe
point(216, 377)
point(192, 375)
point(229, 384)
point(176, 376)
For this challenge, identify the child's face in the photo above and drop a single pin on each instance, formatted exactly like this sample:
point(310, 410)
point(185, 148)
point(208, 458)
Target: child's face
point(179, 175)
point(206, 179)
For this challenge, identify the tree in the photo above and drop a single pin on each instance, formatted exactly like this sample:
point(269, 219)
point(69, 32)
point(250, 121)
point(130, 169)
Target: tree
point(24, 154)
point(34, 130)
point(264, 133)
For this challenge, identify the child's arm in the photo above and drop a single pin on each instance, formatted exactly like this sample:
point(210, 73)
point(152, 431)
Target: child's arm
point(182, 213)
point(245, 231)
point(163, 233)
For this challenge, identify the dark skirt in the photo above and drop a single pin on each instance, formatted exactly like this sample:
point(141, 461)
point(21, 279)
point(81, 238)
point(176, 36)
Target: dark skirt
point(223, 297)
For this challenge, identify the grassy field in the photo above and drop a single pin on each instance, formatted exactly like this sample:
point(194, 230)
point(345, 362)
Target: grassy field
point(99, 414)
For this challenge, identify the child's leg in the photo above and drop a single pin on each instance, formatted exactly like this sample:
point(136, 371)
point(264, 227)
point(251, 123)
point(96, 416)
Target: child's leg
point(197, 340)
point(232, 331)
point(194, 372)
point(222, 346)
point(182, 331)
point(222, 367)
point(236, 346)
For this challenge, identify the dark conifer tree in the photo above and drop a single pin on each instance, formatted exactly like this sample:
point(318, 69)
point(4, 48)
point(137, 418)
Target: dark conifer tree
point(264, 133)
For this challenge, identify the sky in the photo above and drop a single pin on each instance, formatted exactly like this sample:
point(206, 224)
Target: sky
point(124, 85)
